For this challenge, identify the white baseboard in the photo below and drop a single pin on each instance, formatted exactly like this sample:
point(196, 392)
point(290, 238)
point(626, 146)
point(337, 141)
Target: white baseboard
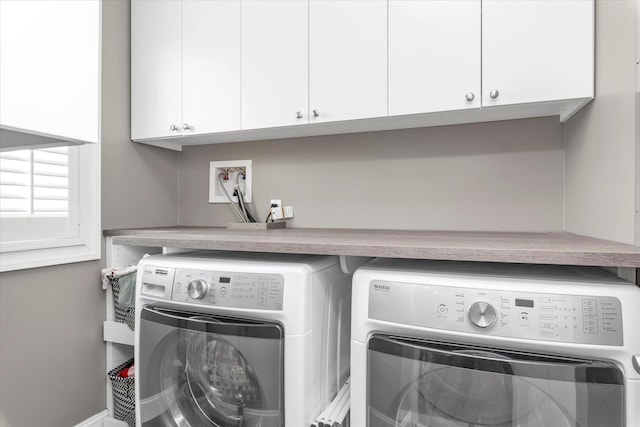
point(102, 420)
point(95, 421)
point(112, 422)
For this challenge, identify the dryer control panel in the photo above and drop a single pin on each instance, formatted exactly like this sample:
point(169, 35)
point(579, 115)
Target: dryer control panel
point(214, 288)
point(576, 319)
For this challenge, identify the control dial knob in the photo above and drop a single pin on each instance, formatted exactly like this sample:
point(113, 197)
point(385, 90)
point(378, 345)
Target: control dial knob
point(482, 314)
point(197, 288)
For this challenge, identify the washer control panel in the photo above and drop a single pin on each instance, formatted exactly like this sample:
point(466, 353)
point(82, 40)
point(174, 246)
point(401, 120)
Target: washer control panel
point(215, 288)
point(528, 315)
point(229, 289)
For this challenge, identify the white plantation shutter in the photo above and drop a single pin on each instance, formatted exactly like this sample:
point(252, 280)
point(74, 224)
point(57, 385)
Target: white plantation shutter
point(15, 182)
point(38, 197)
point(51, 181)
point(35, 182)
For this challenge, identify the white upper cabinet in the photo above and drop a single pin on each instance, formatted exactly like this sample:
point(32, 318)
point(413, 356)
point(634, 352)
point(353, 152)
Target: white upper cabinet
point(275, 63)
point(537, 51)
point(434, 56)
point(50, 70)
point(156, 68)
point(185, 76)
point(235, 70)
point(347, 59)
point(210, 56)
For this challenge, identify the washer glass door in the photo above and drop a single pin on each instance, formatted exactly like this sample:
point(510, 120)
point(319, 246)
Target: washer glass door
point(430, 384)
point(197, 369)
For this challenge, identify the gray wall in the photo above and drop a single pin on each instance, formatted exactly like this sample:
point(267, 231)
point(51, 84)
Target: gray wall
point(601, 181)
point(488, 176)
point(527, 175)
point(139, 182)
point(637, 27)
point(52, 356)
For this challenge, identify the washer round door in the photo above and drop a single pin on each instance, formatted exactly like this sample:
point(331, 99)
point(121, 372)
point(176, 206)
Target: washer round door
point(421, 383)
point(204, 370)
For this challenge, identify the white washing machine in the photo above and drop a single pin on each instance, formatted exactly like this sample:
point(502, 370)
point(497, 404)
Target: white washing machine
point(239, 339)
point(469, 344)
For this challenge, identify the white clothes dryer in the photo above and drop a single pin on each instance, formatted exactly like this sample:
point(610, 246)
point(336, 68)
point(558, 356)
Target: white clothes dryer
point(470, 344)
point(239, 339)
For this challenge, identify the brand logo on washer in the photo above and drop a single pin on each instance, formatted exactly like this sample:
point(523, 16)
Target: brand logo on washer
point(381, 287)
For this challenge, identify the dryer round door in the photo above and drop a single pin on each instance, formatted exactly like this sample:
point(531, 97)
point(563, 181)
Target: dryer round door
point(203, 370)
point(465, 397)
point(420, 383)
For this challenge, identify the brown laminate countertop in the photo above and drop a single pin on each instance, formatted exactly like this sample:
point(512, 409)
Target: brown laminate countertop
point(510, 247)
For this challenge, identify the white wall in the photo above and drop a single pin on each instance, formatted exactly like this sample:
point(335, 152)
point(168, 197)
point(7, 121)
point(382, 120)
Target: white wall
point(601, 181)
point(486, 176)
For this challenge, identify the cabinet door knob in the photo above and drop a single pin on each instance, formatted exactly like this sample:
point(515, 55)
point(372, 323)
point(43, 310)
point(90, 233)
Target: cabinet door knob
point(494, 93)
point(174, 128)
point(470, 96)
point(186, 126)
point(298, 114)
point(316, 113)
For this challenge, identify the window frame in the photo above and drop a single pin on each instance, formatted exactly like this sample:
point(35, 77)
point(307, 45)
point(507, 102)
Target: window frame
point(85, 247)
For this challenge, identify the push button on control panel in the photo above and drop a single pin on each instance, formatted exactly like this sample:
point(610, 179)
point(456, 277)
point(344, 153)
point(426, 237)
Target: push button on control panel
point(590, 316)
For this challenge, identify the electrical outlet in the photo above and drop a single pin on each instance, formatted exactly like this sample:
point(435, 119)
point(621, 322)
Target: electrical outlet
point(287, 211)
point(233, 171)
point(276, 213)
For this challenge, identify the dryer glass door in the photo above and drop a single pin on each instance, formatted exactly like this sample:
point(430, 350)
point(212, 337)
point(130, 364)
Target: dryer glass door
point(197, 369)
point(421, 383)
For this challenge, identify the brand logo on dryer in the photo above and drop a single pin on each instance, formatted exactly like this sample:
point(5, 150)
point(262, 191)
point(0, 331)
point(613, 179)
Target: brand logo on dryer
point(381, 287)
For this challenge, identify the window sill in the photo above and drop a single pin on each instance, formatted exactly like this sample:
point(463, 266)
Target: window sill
point(32, 258)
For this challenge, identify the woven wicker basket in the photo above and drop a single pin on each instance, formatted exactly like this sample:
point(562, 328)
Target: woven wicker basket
point(122, 313)
point(124, 396)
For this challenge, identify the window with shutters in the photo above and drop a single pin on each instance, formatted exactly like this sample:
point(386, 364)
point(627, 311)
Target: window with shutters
point(48, 206)
point(38, 195)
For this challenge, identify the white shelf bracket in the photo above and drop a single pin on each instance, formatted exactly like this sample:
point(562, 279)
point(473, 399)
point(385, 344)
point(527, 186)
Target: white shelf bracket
point(349, 264)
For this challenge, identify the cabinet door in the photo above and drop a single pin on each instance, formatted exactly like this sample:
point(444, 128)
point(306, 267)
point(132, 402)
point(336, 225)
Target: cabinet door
point(535, 50)
point(275, 76)
point(50, 68)
point(347, 59)
point(434, 55)
point(210, 66)
point(156, 68)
